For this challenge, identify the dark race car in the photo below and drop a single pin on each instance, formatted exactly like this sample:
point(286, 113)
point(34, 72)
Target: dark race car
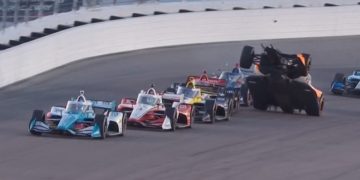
point(281, 80)
point(236, 84)
point(202, 107)
point(346, 85)
point(217, 102)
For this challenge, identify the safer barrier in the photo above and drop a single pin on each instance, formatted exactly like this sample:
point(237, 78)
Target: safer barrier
point(153, 7)
point(44, 54)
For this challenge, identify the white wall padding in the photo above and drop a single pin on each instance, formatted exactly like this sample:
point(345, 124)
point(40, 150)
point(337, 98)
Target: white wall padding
point(44, 54)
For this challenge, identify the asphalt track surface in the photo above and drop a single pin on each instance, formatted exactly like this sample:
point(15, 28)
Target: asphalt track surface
point(253, 145)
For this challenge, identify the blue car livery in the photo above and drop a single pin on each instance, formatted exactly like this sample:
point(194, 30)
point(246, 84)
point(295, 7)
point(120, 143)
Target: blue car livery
point(79, 118)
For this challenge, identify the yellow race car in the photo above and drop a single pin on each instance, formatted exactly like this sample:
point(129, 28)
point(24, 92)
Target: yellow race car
point(208, 102)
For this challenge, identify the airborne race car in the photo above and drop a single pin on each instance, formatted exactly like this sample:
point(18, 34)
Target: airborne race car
point(346, 85)
point(282, 80)
point(79, 118)
point(217, 103)
point(154, 110)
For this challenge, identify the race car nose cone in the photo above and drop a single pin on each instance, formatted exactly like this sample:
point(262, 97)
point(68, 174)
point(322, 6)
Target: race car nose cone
point(66, 122)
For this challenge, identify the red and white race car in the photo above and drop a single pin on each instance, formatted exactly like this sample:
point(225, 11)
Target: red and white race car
point(155, 110)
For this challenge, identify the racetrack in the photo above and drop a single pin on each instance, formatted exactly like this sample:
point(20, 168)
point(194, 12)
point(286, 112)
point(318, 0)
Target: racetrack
point(254, 145)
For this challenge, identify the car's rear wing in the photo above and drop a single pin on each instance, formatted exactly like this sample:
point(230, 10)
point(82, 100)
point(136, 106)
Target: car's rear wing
point(199, 80)
point(211, 86)
point(108, 105)
point(169, 98)
point(128, 101)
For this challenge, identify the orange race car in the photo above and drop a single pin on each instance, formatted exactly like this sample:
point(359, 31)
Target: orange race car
point(281, 80)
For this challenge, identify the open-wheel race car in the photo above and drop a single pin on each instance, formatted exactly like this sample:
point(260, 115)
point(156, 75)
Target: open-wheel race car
point(154, 110)
point(202, 109)
point(236, 84)
point(281, 80)
point(346, 84)
point(215, 102)
point(79, 118)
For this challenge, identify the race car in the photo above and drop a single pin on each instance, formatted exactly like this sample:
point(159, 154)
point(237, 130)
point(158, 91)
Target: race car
point(201, 108)
point(236, 84)
point(281, 80)
point(78, 117)
point(346, 85)
point(217, 103)
point(153, 110)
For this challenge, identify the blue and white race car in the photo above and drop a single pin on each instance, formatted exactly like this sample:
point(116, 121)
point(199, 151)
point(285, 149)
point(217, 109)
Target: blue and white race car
point(346, 85)
point(79, 118)
point(236, 83)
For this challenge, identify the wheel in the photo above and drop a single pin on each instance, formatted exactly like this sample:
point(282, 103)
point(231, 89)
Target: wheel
point(315, 109)
point(231, 110)
point(100, 120)
point(173, 121)
point(246, 96)
point(212, 117)
point(312, 111)
point(236, 105)
point(38, 115)
point(171, 114)
point(260, 105)
point(192, 116)
point(287, 109)
point(124, 125)
point(322, 104)
point(249, 99)
point(247, 56)
point(210, 109)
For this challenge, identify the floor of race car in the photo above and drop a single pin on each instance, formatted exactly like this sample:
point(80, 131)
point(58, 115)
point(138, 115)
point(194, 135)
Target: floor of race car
point(253, 145)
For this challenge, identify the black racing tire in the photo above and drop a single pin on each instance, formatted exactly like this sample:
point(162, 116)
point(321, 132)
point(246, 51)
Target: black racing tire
point(38, 115)
point(312, 111)
point(173, 121)
point(212, 117)
point(249, 99)
point(231, 110)
point(171, 113)
point(247, 56)
point(260, 105)
point(211, 110)
point(100, 120)
point(237, 105)
point(287, 109)
point(192, 116)
point(246, 96)
point(124, 124)
point(322, 104)
point(236, 102)
point(316, 108)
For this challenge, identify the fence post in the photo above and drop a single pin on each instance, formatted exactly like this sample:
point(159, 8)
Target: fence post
point(27, 14)
point(85, 3)
point(56, 6)
point(16, 12)
point(4, 13)
point(41, 9)
point(74, 5)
